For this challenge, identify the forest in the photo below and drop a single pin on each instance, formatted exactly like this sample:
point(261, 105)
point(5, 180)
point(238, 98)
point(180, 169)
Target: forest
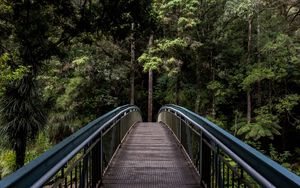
point(65, 63)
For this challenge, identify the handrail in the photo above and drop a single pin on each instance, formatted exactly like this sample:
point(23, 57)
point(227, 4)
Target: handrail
point(259, 166)
point(37, 171)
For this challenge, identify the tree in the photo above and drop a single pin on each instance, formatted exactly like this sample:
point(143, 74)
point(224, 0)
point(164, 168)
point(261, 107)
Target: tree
point(32, 33)
point(30, 40)
point(150, 86)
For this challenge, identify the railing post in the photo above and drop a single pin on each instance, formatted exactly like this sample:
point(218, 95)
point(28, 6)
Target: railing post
point(119, 133)
point(200, 155)
point(121, 129)
point(96, 163)
point(218, 170)
point(62, 177)
point(83, 170)
point(189, 141)
point(101, 154)
point(180, 130)
point(206, 158)
point(112, 142)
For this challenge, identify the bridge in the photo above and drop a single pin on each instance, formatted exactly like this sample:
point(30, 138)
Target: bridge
point(182, 149)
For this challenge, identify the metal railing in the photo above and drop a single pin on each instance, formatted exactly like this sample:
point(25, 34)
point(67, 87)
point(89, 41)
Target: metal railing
point(221, 159)
point(81, 159)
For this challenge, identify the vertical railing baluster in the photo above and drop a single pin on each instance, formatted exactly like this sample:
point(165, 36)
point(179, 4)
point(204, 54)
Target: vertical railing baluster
point(238, 176)
point(83, 171)
point(75, 180)
point(223, 172)
point(71, 181)
point(180, 130)
point(62, 176)
point(66, 179)
point(232, 178)
point(218, 166)
point(101, 154)
point(201, 157)
point(80, 174)
point(206, 169)
point(112, 143)
point(96, 164)
point(214, 169)
point(119, 134)
point(189, 141)
point(228, 177)
point(90, 170)
point(242, 176)
point(214, 151)
point(87, 170)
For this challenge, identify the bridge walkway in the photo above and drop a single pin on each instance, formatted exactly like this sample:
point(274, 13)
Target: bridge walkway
point(150, 157)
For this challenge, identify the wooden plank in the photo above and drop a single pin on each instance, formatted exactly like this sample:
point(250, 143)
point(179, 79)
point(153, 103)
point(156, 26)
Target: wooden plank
point(150, 157)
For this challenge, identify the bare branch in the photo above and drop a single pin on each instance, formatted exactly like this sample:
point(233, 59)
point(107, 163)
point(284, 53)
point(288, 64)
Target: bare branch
point(295, 16)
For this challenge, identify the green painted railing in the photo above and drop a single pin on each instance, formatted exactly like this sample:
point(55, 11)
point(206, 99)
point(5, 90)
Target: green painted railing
point(221, 159)
point(80, 159)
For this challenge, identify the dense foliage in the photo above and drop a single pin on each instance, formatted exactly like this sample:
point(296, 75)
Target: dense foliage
point(64, 63)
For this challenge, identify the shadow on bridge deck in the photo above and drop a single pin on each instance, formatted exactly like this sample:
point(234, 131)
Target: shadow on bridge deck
point(150, 157)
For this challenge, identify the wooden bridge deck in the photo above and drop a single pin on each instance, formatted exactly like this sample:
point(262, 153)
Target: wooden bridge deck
point(150, 157)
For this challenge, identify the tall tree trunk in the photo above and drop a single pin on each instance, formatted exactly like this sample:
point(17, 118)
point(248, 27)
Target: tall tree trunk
point(198, 79)
point(150, 86)
point(269, 90)
point(150, 96)
point(249, 106)
point(20, 150)
point(249, 102)
point(132, 61)
point(284, 130)
point(177, 90)
point(213, 79)
point(259, 94)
